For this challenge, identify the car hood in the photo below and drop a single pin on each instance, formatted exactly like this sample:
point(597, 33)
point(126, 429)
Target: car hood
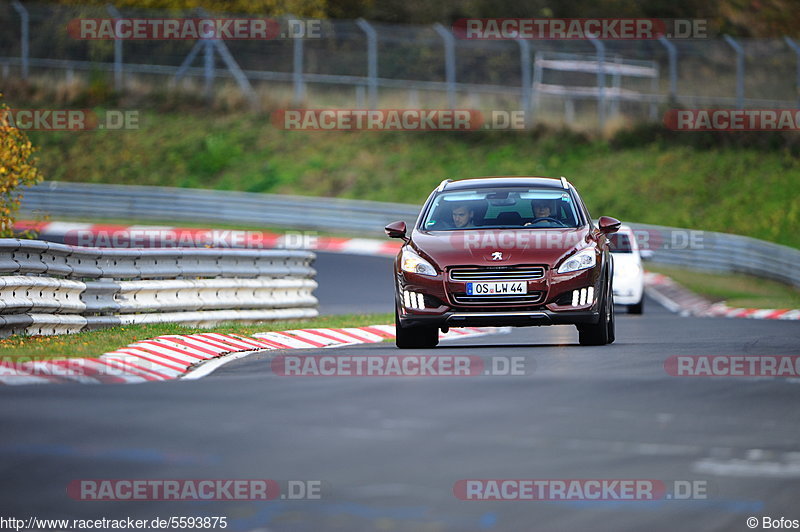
point(515, 246)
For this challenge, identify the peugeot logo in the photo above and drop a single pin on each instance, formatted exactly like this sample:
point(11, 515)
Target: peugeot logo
point(497, 255)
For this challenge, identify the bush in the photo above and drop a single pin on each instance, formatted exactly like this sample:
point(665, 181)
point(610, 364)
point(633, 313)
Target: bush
point(17, 168)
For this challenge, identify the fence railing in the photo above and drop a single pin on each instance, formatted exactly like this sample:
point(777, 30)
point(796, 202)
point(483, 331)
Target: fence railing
point(369, 62)
point(698, 250)
point(50, 288)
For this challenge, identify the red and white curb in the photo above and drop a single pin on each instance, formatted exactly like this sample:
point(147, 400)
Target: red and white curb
point(149, 236)
point(186, 356)
point(684, 302)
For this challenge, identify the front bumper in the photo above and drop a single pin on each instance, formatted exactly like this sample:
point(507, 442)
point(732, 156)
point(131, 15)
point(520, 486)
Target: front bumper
point(556, 308)
point(501, 318)
point(627, 293)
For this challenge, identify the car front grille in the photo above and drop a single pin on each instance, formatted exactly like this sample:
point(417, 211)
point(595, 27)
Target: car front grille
point(500, 273)
point(527, 299)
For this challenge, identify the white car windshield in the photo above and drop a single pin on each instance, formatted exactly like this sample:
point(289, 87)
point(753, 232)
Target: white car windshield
point(505, 207)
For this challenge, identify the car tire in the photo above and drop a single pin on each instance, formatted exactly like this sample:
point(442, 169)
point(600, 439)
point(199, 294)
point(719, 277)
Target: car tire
point(414, 337)
point(637, 308)
point(612, 328)
point(603, 332)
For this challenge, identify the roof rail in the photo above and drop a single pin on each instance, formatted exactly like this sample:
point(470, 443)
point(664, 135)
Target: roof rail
point(443, 184)
point(564, 182)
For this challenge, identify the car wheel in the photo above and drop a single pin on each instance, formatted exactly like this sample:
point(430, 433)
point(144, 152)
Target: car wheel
point(612, 333)
point(637, 308)
point(414, 337)
point(602, 332)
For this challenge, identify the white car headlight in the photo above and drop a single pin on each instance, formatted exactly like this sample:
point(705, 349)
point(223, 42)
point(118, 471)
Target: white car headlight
point(579, 261)
point(411, 262)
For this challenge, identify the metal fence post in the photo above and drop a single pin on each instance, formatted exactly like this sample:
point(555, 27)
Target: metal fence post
point(237, 73)
point(794, 46)
point(537, 80)
point(117, 47)
point(527, 82)
point(739, 70)
point(187, 61)
point(24, 22)
point(372, 61)
point(208, 69)
point(616, 82)
point(450, 62)
point(601, 81)
point(672, 54)
point(297, 76)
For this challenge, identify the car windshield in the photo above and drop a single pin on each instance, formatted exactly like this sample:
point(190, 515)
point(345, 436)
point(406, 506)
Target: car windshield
point(506, 207)
point(620, 243)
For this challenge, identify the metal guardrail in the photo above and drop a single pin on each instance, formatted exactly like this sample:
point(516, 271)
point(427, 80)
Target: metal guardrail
point(722, 252)
point(697, 250)
point(94, 201)
point(49, 288)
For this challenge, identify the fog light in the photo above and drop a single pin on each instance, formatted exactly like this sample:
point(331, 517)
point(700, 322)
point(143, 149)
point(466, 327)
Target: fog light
point(583, 296)
point(413, 300)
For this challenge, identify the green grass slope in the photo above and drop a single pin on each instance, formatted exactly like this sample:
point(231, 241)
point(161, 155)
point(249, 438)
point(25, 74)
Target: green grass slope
point(741, 184)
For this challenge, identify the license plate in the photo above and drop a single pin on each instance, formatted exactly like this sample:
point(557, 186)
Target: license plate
point(491, 289)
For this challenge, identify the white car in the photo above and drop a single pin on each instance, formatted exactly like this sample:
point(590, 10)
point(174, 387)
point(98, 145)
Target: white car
point(628, 270)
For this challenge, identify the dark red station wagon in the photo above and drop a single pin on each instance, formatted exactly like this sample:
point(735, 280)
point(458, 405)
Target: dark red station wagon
point(504, 251)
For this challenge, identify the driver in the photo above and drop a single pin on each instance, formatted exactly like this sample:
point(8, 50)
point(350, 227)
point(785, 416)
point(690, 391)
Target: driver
point(463, 215)
point(541, 208)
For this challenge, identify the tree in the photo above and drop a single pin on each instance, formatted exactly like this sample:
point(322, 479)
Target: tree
point(17, 168)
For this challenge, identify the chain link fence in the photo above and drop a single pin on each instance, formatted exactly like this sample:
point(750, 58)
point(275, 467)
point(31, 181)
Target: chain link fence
point(361, 64)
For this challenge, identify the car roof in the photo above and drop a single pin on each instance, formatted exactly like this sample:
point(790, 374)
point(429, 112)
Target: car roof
point(504, 181)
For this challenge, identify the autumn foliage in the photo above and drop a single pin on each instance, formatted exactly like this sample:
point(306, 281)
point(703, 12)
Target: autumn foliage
point(17, 168)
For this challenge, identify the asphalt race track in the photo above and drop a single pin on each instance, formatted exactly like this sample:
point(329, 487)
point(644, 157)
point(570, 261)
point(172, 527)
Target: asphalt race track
point(389, 450)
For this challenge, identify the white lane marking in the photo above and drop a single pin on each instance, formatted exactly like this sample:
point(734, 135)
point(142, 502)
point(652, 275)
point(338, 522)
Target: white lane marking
point(210, 366)
point(746, 468)
point(284, 339)
point(309, 335)
point(663, 300)
point(365, 335)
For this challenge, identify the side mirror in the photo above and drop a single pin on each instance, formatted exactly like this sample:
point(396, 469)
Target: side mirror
point(396, 230)
point(608, 225)
point(646, 254)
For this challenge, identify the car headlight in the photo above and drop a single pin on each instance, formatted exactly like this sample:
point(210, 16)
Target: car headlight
point(579, 261)
point(411, 262)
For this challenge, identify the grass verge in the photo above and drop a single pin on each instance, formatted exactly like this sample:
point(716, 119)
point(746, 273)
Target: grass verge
point(736, 290)
point(92, 344)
